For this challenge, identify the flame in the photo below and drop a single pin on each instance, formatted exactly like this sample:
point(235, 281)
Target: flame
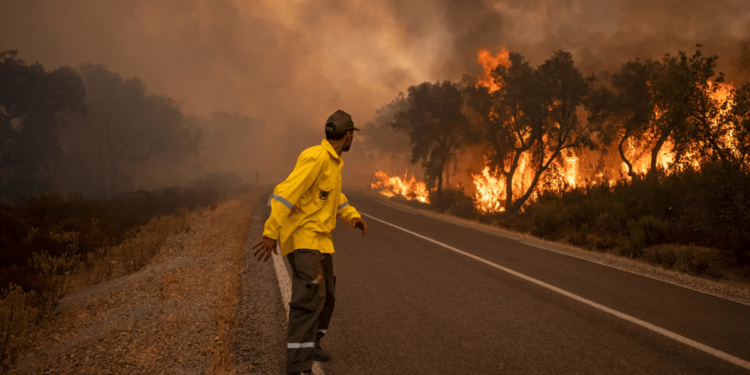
point(573, 169)
point(490, 185)
point(489, 63)
point(490, 190)
point(410, 189)
point(723, 96)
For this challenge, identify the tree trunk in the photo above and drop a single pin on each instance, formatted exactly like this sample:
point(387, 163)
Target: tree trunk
point(440, 185)
point(509, 190)
point(631, 173)
point(542, 168)
point(655, 151)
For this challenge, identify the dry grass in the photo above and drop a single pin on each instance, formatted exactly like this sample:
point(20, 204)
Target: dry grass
point(61, 274)
point(173, 314)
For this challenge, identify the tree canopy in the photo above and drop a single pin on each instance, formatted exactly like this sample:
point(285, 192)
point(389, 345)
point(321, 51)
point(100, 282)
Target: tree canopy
point(31, 101)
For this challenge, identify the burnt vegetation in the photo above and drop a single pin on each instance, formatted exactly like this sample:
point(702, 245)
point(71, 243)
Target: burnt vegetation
point(662, 171)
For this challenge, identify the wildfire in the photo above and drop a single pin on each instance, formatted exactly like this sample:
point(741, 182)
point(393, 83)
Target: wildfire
point(408, 188)
point(573, 169)
point(722, 95)
point(490, 190)
point(640, 157)
point(489, 63)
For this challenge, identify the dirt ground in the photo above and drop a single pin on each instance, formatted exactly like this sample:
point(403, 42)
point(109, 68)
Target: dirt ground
point(200, 306)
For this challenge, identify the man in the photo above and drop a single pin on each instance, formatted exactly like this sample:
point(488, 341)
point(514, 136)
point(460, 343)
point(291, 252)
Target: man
point(303, 215)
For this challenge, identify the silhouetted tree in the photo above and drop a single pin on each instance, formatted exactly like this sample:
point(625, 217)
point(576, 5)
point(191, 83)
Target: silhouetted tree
point(381, 140)
point(671, 100)
point(437, 127)
point(124, 129)
point(737, 120)
point(630, 110)
point(535, 113)
point(31, 100)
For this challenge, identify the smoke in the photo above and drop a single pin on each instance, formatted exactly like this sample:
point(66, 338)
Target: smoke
point(289, 64)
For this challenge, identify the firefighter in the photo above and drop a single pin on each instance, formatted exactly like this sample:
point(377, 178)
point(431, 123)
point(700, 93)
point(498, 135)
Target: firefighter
point(303, 214)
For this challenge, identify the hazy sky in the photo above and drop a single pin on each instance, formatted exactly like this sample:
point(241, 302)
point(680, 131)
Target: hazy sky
point(292, 63)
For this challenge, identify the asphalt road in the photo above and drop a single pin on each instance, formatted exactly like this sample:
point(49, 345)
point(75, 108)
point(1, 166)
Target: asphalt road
point(406, 305)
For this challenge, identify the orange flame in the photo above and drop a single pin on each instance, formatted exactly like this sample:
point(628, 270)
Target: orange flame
point(410, 189)
point(489, 63)
point(722, 95)
point(490, 190)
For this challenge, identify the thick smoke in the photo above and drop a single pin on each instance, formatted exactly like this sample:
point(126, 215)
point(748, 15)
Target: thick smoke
point(289, 64)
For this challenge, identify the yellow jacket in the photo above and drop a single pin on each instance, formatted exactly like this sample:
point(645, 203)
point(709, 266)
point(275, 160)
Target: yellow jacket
point(304, 207)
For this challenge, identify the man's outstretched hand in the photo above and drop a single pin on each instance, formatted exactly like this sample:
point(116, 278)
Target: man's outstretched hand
point(264, 248)
point(359, 223)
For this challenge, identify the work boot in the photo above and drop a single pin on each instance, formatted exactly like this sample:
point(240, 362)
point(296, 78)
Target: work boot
point(320, 354)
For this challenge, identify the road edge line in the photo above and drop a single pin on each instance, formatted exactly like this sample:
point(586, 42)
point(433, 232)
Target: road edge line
point(390, 205)
point(284, 279)
point(565, 252)
point(664, 332)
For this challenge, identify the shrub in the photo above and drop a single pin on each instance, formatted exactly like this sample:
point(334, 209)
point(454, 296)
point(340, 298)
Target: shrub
point(15, 315)
point(55, 272)
point(454, 202)
point(661, 255)
point(548, 220)
point(690, 259)
point(643, 232)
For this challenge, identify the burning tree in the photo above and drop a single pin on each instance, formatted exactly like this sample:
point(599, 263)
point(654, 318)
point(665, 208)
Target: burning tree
point(670, 110)
point(532, 120)
point(737, 120)
point(437, 127)
point(629, 111)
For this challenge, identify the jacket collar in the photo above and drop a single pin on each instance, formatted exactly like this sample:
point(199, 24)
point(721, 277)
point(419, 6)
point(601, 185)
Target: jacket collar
point(327, 146)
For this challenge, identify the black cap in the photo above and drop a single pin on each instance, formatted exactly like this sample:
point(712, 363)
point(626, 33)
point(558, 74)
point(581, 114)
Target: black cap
point(339, 122)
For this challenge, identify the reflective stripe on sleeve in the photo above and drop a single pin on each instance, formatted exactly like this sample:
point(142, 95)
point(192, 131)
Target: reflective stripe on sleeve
point(342, 205)
point(300, 345)
point(283, 201)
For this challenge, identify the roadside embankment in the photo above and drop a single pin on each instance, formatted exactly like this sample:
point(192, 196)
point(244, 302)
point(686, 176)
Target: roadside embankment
point(177, 314)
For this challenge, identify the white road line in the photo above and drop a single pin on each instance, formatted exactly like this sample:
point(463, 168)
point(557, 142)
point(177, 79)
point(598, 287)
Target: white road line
point(285, 285)
point(674, 336)
point(546, 248)
point(391, 206)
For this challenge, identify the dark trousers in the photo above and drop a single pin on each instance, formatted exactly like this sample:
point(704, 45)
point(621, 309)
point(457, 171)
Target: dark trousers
point(311, 306)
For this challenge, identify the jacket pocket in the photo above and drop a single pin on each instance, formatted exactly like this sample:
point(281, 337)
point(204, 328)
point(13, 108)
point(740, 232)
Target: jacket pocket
point(305, 295)
point(325, 192)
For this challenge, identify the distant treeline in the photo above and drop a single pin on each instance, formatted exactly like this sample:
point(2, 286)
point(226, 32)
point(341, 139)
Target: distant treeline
point(89, 131)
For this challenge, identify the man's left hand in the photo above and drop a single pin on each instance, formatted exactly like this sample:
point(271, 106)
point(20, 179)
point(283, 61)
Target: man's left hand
point(359, 223)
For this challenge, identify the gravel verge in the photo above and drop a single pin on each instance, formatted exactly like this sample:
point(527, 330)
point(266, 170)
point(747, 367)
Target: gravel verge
point(183, 313)
point(260, 334)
